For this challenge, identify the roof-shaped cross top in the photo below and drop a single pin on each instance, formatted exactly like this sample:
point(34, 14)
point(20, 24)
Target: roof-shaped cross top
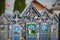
point(16, 16)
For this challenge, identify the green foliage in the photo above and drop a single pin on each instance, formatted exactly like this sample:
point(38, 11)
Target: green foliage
point(2, 28)
point(2, 6)
point(19, 5)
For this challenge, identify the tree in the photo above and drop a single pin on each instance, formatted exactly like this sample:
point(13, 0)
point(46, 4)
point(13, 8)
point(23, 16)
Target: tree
point(19, 5)
point(2, 6)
